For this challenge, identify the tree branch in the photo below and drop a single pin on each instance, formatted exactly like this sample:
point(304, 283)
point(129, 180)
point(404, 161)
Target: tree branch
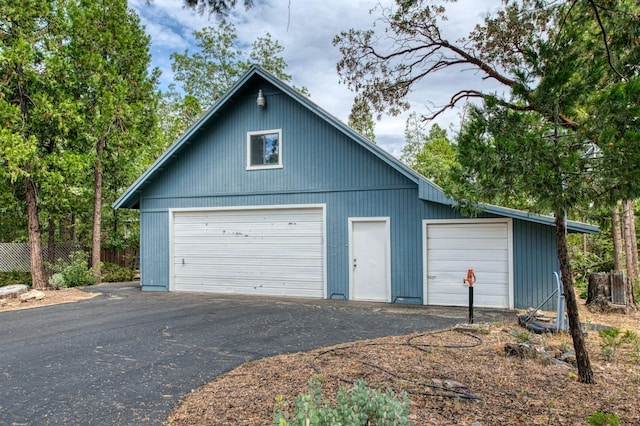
point(604, 39)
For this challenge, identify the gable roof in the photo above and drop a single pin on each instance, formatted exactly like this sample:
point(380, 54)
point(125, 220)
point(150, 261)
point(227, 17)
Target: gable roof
point(427, 190)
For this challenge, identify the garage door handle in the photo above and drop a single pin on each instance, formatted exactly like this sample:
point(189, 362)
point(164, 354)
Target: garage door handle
point(354, 263)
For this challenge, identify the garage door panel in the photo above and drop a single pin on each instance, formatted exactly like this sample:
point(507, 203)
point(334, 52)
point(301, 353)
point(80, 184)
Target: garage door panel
point(254, 277)
point(456, 243)
point(450, 296)
point(209, 265)
point(301, 281)
point(249, 287)
point(488, 300)
point(479, 255)
point(487, 232)
point(237, 217)
point(453, 248)
point(455, 277)
point(205, 267)
point(245, 232)
point(248, 249)
point(460, 267)
point(253, 251)
point(241, 227)
point(299, 240)
point(459, 296)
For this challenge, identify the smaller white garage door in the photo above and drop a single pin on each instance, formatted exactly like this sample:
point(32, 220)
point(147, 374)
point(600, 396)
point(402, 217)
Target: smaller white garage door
point(274, 251)
point(454, 247)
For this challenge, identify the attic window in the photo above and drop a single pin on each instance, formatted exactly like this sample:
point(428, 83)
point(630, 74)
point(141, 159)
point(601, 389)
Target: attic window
point(264, 149)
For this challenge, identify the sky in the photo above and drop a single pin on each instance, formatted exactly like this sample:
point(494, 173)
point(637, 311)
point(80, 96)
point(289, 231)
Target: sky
point(306, 28)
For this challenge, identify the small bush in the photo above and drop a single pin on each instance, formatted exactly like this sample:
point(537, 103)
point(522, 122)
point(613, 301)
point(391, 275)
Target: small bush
point(613, 339)
point(57, 280)
point(359, 405)
point(112, 273)
point(15, 277)
point(74, 273)
point(603, 419)
point(524, 337)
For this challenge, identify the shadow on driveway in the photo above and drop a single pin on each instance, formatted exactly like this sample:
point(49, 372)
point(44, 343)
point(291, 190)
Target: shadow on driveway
point(125, 357)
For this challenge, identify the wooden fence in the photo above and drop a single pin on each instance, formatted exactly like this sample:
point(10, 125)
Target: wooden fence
point(127, 257)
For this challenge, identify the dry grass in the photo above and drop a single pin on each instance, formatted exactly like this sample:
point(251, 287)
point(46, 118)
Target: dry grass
point(511, 390)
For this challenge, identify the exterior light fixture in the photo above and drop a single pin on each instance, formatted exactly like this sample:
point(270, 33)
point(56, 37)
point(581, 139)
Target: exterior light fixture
point(261, 101)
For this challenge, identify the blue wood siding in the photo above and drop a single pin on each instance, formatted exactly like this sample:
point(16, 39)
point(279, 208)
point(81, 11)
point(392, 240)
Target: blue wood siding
point(316, 157)
point(535, 259)
point(402, 206)
point(321, 165)
point(154, 250)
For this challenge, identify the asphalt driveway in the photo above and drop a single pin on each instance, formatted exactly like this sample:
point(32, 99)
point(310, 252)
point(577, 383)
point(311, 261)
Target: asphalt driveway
point(125, 357)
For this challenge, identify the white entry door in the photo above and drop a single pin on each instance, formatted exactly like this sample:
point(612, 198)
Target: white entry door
point(370, 268)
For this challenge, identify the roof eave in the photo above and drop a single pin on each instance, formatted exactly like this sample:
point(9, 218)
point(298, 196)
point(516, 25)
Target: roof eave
point(572, 226)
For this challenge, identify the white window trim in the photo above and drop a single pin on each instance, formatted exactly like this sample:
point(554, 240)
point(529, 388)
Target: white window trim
point(264, 166)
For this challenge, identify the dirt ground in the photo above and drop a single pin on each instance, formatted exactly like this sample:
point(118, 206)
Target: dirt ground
point(52, 297)
point(452, 377)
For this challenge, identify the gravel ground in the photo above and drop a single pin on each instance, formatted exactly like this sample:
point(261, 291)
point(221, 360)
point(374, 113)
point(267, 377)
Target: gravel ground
point(452, 377)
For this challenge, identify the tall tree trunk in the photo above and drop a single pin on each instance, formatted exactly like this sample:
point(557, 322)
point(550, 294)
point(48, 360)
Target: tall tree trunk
point(73, 236)
point(628, 251)
point(585, 372)
point(634, 240)
point(63, 227)
point(38, 276)
point(51, 242)
point(97, 209)
point(617, 237)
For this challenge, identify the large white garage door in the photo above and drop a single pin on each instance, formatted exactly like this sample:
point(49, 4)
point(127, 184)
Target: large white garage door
point(454, 247)
point(275, 251)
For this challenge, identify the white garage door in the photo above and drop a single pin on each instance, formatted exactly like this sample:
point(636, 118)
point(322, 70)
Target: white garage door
point(454, 247)
point(276, 251)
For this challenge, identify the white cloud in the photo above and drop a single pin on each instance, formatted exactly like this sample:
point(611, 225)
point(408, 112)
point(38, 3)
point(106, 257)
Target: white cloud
point(306, 28)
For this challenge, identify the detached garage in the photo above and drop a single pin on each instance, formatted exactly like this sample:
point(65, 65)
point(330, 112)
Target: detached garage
point(280, 198)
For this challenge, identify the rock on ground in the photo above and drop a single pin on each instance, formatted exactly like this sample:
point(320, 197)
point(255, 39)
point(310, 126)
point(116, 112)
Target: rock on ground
point(13, 291)
point(32, 295)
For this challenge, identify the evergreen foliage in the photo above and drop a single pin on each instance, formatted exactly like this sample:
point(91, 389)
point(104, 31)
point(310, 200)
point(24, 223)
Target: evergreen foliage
point(361, 120)
point(359, 405)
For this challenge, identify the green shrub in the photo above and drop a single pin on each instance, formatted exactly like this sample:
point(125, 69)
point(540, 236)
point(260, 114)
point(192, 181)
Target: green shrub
point(74, 273)
point(112, 273)
point(15, 277)
point(524, 337)
point(603, 419)
point(359, 405)
point(613, 339)
point(57, 280)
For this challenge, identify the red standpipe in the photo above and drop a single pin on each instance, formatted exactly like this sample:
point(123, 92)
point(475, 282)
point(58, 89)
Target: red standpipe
point(471, 279)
